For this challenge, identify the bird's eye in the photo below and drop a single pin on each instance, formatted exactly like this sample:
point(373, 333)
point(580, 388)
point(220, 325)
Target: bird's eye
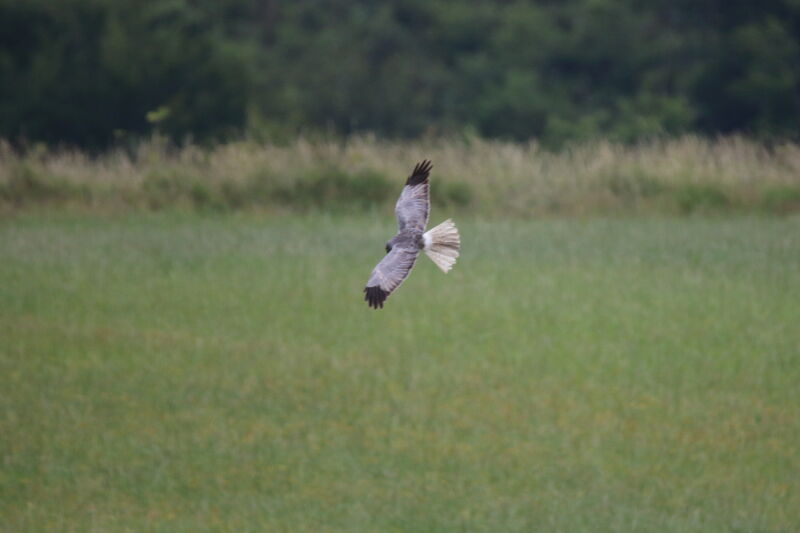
point(388, 248)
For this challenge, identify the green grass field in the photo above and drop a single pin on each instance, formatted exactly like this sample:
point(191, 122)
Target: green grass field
point(172, 372)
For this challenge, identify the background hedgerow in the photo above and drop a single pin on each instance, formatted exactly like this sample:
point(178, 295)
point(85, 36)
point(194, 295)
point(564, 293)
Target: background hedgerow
point(684, 175)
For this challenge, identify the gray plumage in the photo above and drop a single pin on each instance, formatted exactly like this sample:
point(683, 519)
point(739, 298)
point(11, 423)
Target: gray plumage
point(402, 250)
point(412, 211)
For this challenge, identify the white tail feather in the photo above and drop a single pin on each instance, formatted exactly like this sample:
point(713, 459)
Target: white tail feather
point(442, 245)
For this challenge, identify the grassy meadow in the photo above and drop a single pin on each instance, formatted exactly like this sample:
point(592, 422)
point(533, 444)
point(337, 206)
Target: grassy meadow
point(182, 371)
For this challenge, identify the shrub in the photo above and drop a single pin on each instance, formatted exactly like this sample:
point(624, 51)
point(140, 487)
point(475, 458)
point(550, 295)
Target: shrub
point(781, 199)
point(333, 188)
point(700, 197)
point(28, 184)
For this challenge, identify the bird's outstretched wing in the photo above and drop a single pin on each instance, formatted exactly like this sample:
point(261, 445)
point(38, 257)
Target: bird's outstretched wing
point(413, 206)
point(389, 274)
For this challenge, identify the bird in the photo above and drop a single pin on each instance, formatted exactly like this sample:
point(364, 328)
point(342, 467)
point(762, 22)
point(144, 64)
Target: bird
point(442, 243)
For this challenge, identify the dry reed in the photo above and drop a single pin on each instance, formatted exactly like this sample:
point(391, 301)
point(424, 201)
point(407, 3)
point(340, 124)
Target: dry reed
point(489, 177)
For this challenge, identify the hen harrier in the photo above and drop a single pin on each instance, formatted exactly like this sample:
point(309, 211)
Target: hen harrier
point(441, 243)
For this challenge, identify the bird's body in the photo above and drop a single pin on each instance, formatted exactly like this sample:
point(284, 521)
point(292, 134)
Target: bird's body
point(441, 244)
point(407, 238)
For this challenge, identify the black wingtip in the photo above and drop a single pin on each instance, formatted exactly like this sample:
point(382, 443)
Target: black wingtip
point(375, 296)
point(420, 173)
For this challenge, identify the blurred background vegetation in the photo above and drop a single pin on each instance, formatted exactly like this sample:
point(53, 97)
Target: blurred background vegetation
point(92, 73)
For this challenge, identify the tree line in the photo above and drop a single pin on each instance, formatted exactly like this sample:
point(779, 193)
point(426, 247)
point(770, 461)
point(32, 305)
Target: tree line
point(94, 72)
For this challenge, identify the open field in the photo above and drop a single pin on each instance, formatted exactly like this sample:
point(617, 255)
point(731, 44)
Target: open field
point(490, 178)
point(175, 372)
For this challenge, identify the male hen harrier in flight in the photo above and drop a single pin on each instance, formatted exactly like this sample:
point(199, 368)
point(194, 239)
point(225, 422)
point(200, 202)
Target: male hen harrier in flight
point(441, 243)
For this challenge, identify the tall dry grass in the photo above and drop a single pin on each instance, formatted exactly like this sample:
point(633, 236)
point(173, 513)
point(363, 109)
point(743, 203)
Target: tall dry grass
point(488, 177)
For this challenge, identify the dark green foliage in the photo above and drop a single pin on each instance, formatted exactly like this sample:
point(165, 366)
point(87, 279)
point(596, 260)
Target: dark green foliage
point(94, 72)
point(451, 194)
point(334, 189)
point(700, 197)
point(785, 199)
point(90, 71)
point(328, 189)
